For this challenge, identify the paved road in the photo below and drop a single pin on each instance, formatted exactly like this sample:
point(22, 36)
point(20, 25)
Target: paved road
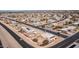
point(17, 38)
point(67, 41)
point(7, 39)
point(1, 44)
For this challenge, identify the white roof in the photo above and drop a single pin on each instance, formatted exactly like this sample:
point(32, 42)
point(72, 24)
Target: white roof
point(26, 30)
point(48, 35)
point(70, 27)
point(76, 23)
